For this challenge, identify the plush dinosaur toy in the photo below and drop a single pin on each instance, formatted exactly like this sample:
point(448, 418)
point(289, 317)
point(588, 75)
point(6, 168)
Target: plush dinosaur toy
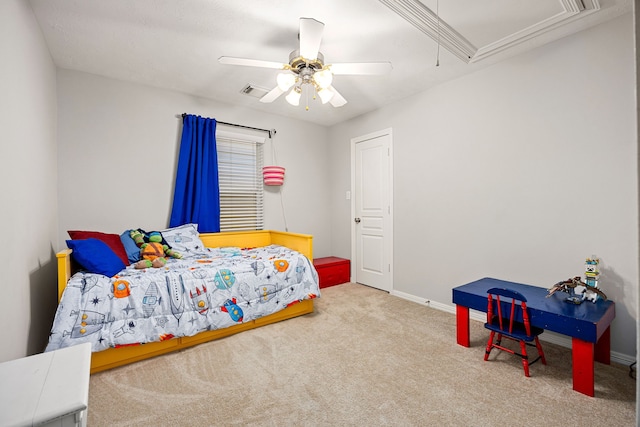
point(153, 249)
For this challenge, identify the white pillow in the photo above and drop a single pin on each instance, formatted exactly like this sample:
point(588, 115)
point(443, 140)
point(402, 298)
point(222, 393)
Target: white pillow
point(184, 239)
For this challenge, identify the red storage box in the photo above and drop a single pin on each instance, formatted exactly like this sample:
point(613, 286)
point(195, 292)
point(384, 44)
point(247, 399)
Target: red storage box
point(332, 270)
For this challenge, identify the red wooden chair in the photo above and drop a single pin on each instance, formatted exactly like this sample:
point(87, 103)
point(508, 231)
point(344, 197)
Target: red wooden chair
point(510, 319)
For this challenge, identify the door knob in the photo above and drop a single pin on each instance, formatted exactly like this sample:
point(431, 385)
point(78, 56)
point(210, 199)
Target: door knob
point(357, 220)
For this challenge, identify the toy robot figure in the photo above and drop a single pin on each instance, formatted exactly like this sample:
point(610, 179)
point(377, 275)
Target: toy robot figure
point(591, 279)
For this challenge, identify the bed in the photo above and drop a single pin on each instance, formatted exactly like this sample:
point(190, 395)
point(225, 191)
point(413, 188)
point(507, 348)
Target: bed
point(263, 248)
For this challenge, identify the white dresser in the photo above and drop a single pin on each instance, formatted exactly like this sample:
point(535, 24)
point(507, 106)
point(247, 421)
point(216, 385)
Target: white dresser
point(48, 389)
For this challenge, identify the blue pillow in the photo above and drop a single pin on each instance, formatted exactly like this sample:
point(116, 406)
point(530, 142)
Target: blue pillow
point(95, 256)
point(130, 247)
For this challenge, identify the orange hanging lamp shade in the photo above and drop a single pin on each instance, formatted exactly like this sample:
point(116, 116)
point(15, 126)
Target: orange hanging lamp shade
point(273, 175)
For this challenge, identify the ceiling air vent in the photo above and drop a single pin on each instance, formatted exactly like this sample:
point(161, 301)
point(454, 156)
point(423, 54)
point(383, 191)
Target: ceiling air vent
point(253, 90)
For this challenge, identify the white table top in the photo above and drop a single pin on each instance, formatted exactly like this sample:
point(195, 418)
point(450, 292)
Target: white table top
point(44, 387)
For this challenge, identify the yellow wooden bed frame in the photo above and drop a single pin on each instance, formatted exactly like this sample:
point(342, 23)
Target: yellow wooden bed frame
point(115, 357)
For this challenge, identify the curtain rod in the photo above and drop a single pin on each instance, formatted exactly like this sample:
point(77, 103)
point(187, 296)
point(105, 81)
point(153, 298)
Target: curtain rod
point(269, 131)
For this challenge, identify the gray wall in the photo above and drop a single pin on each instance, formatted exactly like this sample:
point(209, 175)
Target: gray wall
point(118, 145)
point(519, 171)
point(28, 179)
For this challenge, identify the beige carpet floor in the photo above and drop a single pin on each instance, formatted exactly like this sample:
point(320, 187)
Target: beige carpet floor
point(364, 358)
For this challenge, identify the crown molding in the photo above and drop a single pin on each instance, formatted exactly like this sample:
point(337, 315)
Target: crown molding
point(572, 10)
point(424, 19)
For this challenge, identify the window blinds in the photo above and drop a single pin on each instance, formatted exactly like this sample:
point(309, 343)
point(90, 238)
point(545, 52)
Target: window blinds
point(240, 160)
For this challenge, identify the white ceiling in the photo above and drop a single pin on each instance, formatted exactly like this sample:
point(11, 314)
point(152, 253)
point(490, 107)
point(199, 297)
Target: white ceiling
point(175, 44)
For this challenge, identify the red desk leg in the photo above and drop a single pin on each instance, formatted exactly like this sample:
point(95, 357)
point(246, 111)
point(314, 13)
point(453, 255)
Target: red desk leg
point(603, 348)
point(583, 354)
point(462, 325)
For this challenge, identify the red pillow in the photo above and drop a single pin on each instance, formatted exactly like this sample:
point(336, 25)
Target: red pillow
point(112, 240)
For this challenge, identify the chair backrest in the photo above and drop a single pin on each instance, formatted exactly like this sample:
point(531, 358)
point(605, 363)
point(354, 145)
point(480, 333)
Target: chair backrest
point(509, 311)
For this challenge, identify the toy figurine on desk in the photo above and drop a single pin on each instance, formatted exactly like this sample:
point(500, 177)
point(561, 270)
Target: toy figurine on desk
point(577, 289)
point(591, 274)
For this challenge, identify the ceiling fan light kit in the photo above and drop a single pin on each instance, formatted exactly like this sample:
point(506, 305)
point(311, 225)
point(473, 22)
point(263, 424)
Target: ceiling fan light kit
point(306, 67)
point(285, 81)
point(325, 95)
point(323, 78)
point(294, 96)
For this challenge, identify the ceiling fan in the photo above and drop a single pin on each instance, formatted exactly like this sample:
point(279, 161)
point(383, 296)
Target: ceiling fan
point(306, 66)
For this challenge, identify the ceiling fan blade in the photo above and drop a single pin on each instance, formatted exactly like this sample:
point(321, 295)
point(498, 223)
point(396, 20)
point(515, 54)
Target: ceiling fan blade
point(310, 37)
point(272, 95)
point(229, 60)
point(361, 68)
point(337, 100)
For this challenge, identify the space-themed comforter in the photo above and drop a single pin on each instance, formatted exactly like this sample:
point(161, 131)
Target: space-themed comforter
point(213, 289)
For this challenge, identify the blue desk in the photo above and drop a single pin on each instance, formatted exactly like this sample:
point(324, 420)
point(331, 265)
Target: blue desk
point(587, 324)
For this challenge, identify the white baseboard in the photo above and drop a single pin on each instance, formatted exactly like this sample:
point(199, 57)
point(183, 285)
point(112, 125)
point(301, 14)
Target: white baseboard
point(548, 336)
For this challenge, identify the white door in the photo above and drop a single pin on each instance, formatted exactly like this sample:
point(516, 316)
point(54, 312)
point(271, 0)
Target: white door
point(372, 211)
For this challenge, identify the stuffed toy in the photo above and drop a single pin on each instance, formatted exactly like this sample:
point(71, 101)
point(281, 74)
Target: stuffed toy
point(153, 249)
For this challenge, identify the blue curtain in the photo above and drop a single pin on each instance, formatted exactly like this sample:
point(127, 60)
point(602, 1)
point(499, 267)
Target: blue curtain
point(196, 197)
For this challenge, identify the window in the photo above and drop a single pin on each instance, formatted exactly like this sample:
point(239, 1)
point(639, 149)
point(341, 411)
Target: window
point(240, 160)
